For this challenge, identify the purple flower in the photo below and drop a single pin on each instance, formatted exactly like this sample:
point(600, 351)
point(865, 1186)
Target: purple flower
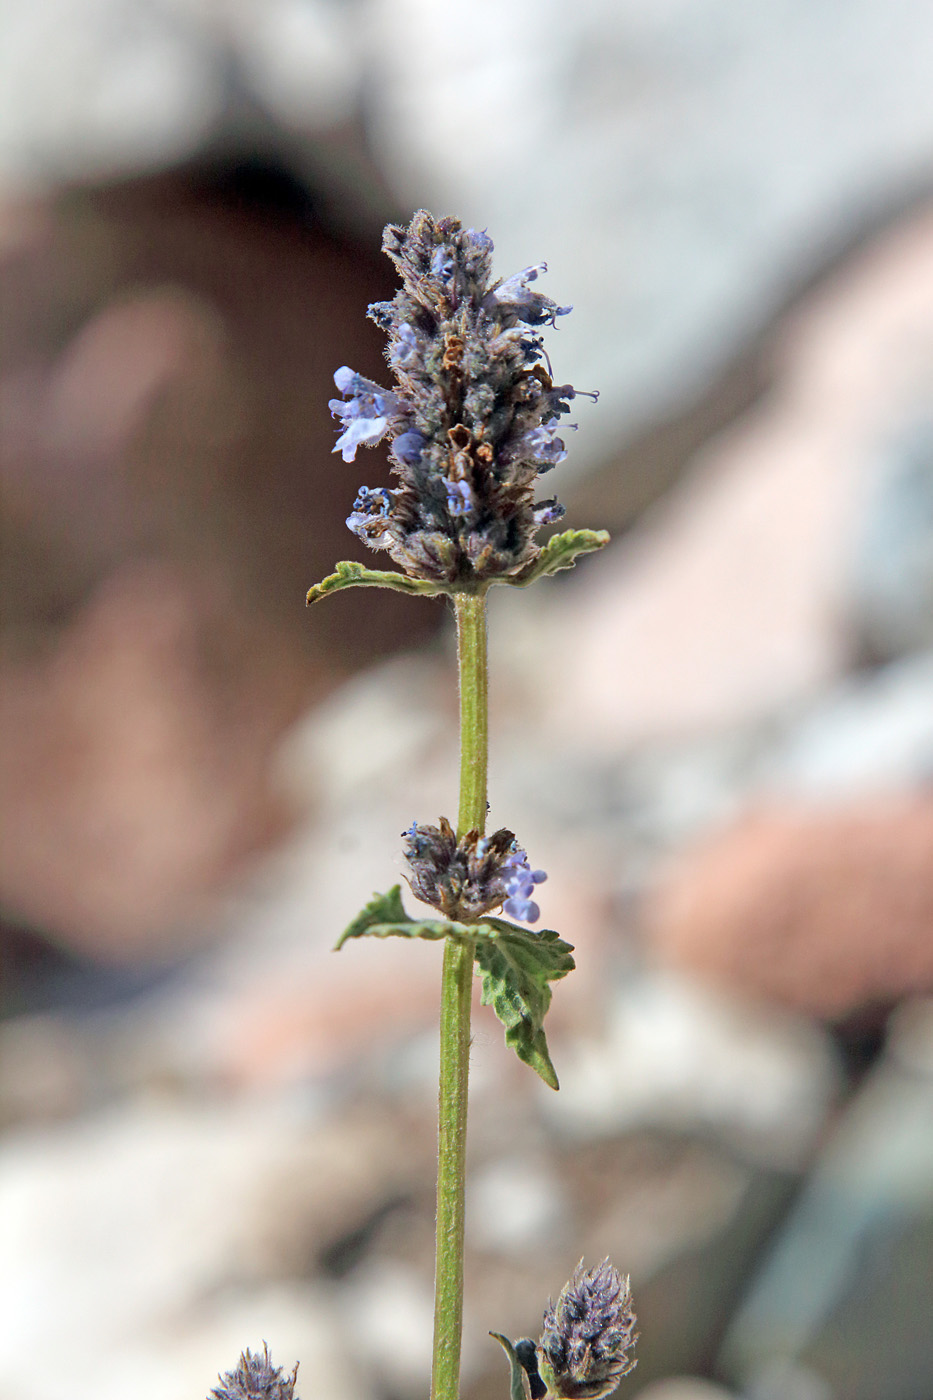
point(406, 347)
point(460, 878)
point(471, 415)
point(515, 297)
point(255, 1378)
point(583, 1351)
point(542, 446)
point(459, 497)
point(366, 415)
point(443, 264)
point(519, 881)
point(408, 447)
point(478, 239)
point(546, 512)
point(370, 513)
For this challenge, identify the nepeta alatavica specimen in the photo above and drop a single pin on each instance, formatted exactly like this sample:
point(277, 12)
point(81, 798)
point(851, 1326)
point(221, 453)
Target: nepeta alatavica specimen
point(472, 418)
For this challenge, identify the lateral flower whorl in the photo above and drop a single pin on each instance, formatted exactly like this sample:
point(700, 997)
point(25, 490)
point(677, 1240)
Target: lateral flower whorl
point(255, 1378)
point(465, 879)
point(583, 1351)
point(473, 417)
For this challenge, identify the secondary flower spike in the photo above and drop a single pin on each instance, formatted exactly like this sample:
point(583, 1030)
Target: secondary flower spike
point(472, 419)
point(583, 1351)
point(255, 1378)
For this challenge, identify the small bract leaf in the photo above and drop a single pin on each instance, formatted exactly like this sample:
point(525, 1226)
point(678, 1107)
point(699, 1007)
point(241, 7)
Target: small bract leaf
point(519, 1388)
point(515, 966)
point(560, 552)
point(384, 917)
point(349, 574)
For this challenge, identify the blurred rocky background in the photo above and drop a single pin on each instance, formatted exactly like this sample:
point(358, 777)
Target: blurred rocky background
point(717, 736)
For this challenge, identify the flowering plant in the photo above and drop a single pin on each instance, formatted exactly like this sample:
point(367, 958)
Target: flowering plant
point(472, 419)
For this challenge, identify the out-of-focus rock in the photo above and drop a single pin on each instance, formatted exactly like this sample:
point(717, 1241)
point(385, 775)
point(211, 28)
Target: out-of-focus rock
point(830, 912)
point(388, 1309)
point(137, 767)
point(683, 1388)
point(708, 159)
point(678, 1056)
point(728, 602)
point(168, 495)
point(844, 1293)
point(514, 1201)
point(46, 1070)
point(892, 583)
point(170, 1221)
point(870, 735)
point(113, 91)
point(707, 153)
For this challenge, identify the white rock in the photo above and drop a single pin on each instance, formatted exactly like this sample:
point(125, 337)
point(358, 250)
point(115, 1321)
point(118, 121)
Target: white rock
point(676, 164)
point(138, 1251)
point(514, 1202)
point(679, 1056)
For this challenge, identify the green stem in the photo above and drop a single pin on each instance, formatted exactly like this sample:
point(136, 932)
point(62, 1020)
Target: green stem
point(474, 711)
point(456, 991)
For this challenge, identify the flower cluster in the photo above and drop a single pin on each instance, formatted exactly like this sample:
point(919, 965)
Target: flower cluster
point(583, 1351)
point(465, 879)
point(473, 418)
point(519, 880)
point(255, 1378)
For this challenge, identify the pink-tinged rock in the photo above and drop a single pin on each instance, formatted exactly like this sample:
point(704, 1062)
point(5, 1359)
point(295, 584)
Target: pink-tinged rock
point(728, 600)
point(136, 784)
point(831, 912)
point(167, 495)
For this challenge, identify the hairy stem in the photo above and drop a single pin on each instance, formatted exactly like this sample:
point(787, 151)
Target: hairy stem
point(474, 721)
point(456, 990)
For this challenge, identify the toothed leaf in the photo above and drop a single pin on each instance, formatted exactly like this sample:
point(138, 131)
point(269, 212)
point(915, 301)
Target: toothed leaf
point(560, 552)
point(515, 966)
point(384, 917)
point(349, 574)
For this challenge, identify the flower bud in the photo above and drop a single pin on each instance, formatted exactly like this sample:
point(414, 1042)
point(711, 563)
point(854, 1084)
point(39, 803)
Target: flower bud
point(583, 1351)
point(255, 1378)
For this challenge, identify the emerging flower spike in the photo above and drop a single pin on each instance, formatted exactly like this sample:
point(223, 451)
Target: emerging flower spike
point(465, 879)
point(255, 1378)
point(583, 1351)
point(473, 416)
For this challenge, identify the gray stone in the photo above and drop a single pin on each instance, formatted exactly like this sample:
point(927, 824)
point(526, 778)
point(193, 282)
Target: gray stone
point(678, 164)
point(678, 1056)
point(844, 1293)
point(109, 87)
point(871, 733)
point(892, 574)
point(142, 1248)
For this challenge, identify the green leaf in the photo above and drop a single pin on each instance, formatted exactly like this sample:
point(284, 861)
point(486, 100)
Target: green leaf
point(520, 1388)
point(349, 574)
point(384, 917)
point(560, 552)
point(515, 966)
